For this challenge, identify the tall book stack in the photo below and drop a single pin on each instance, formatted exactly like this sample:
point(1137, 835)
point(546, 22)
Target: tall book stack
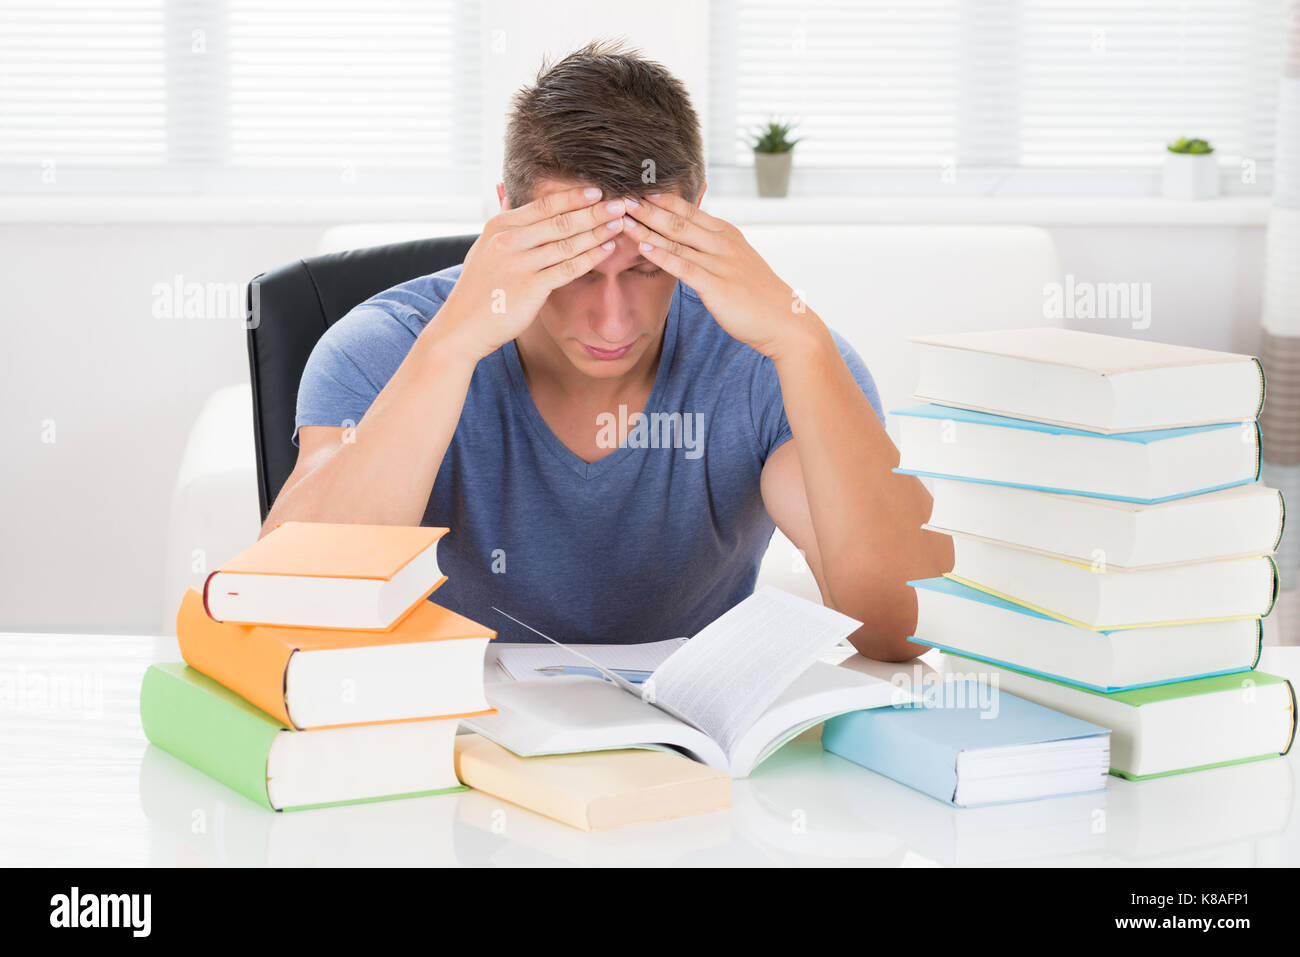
point(1113, 546)
point(316, 672)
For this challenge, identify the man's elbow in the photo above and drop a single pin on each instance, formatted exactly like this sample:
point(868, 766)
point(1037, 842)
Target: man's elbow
point(886, 644)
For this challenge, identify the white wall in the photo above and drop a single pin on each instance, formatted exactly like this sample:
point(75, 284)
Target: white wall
point(84, 516)
point(1206, 282)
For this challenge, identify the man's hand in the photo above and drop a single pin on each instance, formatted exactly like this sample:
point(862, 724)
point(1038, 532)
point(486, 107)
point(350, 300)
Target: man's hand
point(520, 257)
point(710, 255)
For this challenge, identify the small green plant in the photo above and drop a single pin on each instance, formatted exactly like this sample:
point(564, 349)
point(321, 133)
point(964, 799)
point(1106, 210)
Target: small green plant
point(774, 138)
point(1195, 147)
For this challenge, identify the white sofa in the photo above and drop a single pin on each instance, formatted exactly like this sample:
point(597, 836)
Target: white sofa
point(876, 285)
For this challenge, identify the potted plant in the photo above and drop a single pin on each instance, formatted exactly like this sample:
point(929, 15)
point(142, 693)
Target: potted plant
point(1191, 171)
point(773, 153)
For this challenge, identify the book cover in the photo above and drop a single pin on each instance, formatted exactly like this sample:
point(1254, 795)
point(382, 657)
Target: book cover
point(253, 660)
point(919, 744)
point(213, 729)
point(594, 791)
point(295, 576)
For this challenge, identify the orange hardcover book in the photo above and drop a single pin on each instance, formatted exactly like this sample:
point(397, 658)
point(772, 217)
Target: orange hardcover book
point(431, 665)
point(327, 575)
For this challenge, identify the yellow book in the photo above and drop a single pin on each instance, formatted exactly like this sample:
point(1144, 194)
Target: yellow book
point(594, 791)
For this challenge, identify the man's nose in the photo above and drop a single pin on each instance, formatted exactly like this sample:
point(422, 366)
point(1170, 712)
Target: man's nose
point(612, 319)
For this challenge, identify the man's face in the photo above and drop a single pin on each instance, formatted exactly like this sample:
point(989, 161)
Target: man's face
point(607, 321)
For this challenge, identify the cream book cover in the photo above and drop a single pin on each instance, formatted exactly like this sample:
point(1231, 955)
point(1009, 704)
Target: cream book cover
point(594, 791)
point(1086, 380)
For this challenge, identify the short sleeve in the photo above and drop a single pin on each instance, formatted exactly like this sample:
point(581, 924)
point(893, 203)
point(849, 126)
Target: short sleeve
point(768, 409)
point(351, 364)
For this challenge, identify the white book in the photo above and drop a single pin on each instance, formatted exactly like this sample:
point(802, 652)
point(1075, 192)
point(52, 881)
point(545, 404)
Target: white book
point(729, 697)
point(1100, 596)
point(1238, 522)
point(1087, 380)
point(1186, 726)
point(956, 617)
point(1143, 467)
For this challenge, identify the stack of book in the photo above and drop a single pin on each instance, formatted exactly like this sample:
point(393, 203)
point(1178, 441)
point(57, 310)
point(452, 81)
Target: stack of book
point(1112, 541)
point(317, 673)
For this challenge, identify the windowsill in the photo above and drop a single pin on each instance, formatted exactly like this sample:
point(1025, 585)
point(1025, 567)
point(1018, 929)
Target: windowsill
point(1034, 211)
point(743, 210)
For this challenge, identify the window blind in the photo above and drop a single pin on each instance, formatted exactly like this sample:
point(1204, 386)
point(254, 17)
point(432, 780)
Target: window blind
point(997, 83)
point(256, 95)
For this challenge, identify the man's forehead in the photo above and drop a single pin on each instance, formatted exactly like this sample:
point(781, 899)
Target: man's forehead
point(544, 187)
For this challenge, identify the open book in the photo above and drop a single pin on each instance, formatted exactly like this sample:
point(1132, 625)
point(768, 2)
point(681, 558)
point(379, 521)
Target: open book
point(729, 697)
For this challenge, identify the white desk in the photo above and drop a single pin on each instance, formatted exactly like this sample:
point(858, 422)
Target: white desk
point(80, 786)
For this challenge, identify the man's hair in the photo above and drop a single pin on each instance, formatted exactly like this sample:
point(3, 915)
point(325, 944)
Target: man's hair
point(607, 116)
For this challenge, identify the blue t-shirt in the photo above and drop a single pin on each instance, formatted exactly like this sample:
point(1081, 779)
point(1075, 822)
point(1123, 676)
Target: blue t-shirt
point(653, 541)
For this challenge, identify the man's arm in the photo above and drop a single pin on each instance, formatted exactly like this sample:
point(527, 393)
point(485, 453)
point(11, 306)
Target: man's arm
point(382, 471)
point(830, 489)
point(832, 492)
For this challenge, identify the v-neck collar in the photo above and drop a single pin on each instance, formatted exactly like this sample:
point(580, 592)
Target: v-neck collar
point(528, 408)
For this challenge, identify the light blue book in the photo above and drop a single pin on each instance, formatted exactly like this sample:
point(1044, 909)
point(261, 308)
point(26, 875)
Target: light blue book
point(969, 745)
point(1147, 467)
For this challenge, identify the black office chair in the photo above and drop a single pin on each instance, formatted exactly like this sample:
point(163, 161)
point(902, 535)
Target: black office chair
point(290, 308)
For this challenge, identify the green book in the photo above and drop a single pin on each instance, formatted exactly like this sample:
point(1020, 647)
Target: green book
point(1170, 728)
point(210, 727)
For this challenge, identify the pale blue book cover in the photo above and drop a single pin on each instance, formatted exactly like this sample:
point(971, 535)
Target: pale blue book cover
point(918, 744)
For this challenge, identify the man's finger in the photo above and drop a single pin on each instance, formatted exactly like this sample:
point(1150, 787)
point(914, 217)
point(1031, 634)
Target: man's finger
point(641, 233)
point(671, 216)
point(567, 270)
point(567, 247)
point(552, 204)
point(569, 223)
point(688, 271)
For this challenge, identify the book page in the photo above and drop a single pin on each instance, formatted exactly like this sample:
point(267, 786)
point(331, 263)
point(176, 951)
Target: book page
point(521, 663)
point(725, 677)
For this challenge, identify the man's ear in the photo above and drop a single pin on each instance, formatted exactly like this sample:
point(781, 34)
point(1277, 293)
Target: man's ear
point(501, 196)
point(703, 189)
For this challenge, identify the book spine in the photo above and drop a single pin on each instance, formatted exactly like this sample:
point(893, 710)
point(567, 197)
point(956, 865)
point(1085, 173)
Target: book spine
point(227, 743)
point(1281, 520)
point(1294, 717)
point(250, 661)
point(1263, 385)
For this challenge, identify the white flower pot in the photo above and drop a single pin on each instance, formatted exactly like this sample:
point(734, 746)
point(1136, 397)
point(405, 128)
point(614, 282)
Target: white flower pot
point(1191, 176)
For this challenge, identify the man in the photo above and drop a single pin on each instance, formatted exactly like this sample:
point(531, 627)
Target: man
point(614, 399)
